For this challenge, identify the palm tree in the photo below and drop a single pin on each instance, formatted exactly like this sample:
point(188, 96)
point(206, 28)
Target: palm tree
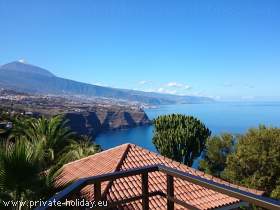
point(53, 135)
point(77, 149)
point(22, 176)
point(31, 159)
point(20, 166)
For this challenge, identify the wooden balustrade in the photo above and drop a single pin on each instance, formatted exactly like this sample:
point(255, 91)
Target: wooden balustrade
point(169, 195)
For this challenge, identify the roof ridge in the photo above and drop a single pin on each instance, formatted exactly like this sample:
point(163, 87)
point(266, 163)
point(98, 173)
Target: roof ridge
point(157, 154)
point(123, 157)
point(97, 154)
point(109, 184)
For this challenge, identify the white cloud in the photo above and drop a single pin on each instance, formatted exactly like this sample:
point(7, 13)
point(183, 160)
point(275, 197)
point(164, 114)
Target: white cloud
point(180, 92)
point(165, 90)
point(102, 84)
point(187, 87)
point(174, 84)
point(174, 88)
point(178, 85)
point(144, 82)
point(160, 90)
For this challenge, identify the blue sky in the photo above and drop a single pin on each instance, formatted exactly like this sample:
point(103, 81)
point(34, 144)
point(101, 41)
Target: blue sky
point(224, 49)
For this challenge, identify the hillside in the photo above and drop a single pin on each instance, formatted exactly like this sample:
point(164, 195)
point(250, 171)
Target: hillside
point(84, 117)
point(32, 79)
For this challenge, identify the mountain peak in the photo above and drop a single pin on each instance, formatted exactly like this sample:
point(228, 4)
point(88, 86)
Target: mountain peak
point(22, 60)
point(23, 67)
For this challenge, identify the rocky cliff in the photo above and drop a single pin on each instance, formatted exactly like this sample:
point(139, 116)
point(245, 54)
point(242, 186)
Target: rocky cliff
point(100, 120)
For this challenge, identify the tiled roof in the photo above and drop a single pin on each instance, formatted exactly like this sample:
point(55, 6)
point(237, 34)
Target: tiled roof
point(129, 156)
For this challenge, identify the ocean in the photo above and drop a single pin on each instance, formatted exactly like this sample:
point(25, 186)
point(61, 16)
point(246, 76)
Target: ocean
point(233, 117)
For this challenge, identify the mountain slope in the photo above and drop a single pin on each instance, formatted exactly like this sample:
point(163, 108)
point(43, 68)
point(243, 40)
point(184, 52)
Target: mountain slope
point(32, 79)
point(22, 67)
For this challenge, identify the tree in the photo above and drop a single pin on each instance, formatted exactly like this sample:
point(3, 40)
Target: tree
point(255, 163)
point(77, 149)
point(20, 165)
point(59, 144)
point(32, 157)
point(180, 137)
point(215, 155)
point(52, 134)
point(22, 176)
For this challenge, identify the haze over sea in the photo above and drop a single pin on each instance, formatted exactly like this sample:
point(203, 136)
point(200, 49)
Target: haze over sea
point(233, 117)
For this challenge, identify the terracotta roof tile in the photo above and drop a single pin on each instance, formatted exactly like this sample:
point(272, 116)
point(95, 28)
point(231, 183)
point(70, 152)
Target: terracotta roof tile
point(129, 156)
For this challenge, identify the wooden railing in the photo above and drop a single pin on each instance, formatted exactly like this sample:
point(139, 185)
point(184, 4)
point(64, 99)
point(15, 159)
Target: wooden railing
point(169, 195)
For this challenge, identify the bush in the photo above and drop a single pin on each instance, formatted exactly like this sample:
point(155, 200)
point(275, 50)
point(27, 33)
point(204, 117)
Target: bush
point(256, 161)
point(216, 152)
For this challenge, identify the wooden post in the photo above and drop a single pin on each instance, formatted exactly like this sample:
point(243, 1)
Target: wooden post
point(170, 192)
point(145, 191)
point(97, 191)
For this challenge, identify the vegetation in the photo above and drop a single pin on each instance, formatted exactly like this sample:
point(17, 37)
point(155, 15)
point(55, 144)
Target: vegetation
point(31, 158)
point(52, 135)
point(256, 161)
point(180, 137)
point(77, 149)
point(216, 151)
point(21, 167)
point(251, 160)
